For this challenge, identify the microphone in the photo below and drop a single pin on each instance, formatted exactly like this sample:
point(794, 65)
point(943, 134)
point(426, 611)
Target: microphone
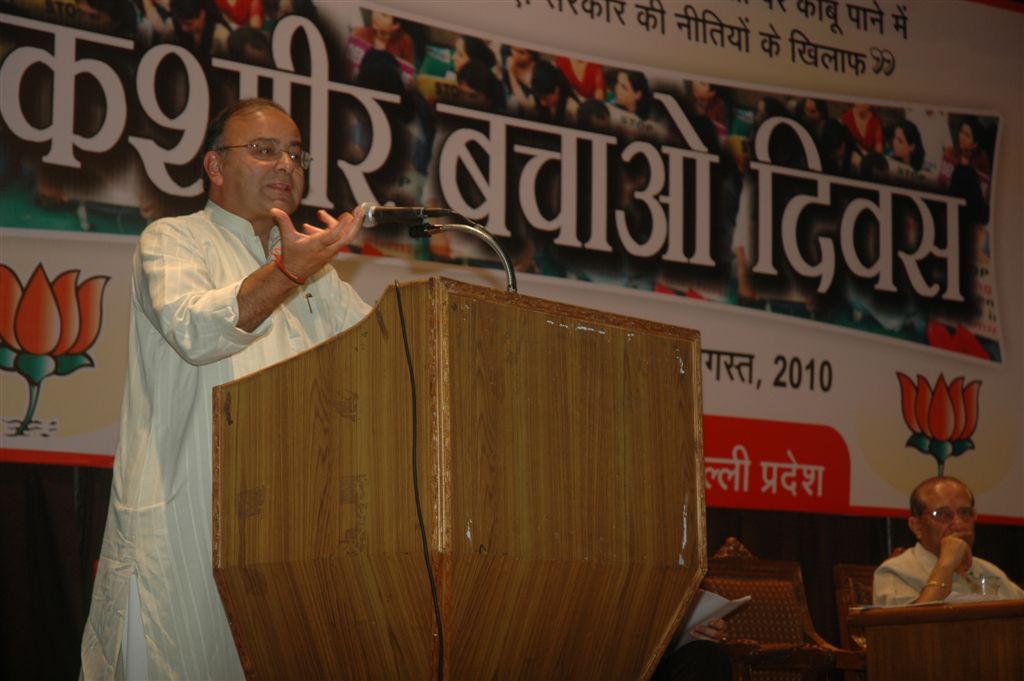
point(375, 215)
point(415, 219)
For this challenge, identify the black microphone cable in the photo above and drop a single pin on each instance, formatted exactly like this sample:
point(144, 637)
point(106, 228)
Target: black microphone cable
point(416, 492)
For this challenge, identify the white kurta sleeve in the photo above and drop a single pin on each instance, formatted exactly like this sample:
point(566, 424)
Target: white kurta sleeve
point(181, 299)
point(891, 588)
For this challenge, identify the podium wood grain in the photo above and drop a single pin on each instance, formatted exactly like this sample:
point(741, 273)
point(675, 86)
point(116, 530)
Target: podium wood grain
point(561, 472)
point(978, 640)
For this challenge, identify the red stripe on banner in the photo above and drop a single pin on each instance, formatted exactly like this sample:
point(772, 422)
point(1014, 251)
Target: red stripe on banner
point(775, 465)
point(999, 520)
point(56, 458)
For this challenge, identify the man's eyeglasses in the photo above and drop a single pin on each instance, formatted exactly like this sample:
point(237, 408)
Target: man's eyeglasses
point(268, 152)
point(945, 514)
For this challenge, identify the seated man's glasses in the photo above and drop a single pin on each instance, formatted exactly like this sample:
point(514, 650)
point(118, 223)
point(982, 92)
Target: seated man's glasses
point(269, 151)
point(945, 514)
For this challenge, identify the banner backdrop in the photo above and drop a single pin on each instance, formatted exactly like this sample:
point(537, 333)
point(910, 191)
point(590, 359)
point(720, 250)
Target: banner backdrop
point(837, 252)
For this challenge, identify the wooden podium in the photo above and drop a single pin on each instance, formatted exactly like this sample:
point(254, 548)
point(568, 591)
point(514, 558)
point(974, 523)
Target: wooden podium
point(560, 468)
point(980, 640)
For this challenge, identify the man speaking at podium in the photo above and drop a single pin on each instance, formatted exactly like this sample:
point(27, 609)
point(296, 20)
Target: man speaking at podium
point(942, 517)
point(215, 295)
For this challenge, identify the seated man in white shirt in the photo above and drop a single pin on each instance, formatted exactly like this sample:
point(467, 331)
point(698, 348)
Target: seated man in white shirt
point(942, 517)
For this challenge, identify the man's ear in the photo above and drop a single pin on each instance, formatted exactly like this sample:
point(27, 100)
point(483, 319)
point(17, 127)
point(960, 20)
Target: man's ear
point(212, 165)
point(915, 526)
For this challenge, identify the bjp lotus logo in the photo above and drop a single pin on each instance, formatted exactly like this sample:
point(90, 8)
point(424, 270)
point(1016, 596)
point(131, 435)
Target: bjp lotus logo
point(47, 328)
point(942, 419)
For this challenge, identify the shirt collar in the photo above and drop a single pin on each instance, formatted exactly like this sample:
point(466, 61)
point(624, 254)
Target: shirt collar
point(240, 227)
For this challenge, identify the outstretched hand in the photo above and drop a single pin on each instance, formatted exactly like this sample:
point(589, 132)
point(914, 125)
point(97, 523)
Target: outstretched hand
point(304, 253)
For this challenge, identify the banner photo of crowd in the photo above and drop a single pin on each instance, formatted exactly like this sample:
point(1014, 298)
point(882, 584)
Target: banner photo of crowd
point(872, 216)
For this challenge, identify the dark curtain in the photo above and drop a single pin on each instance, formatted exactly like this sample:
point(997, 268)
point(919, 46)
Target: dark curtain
point(51, 526)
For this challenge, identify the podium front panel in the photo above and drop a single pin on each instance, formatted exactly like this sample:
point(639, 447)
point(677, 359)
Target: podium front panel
point(560, 474)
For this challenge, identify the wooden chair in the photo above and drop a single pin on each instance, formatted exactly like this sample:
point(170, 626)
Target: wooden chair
point(772, 637)
point(854, 584)
point(853, 588)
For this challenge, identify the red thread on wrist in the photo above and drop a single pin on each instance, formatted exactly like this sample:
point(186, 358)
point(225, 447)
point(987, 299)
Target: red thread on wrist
point(284, 270)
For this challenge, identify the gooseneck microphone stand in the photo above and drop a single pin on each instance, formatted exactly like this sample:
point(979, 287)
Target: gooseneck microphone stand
point(426, 229)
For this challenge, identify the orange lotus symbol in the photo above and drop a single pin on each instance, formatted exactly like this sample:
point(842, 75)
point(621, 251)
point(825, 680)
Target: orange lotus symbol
point(47, 327)
point(942, 419)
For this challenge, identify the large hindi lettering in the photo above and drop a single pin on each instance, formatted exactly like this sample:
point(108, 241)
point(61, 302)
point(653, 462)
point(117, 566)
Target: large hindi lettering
point(667, 185)
point(192, 119)
point(66, 67)
point(882, 272)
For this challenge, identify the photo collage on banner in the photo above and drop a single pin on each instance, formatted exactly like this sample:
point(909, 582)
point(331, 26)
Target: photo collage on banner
point(866, 216)
point(836, 219)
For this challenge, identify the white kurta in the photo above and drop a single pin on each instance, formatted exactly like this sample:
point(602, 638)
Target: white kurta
point(183, 342)
point(900, 580)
